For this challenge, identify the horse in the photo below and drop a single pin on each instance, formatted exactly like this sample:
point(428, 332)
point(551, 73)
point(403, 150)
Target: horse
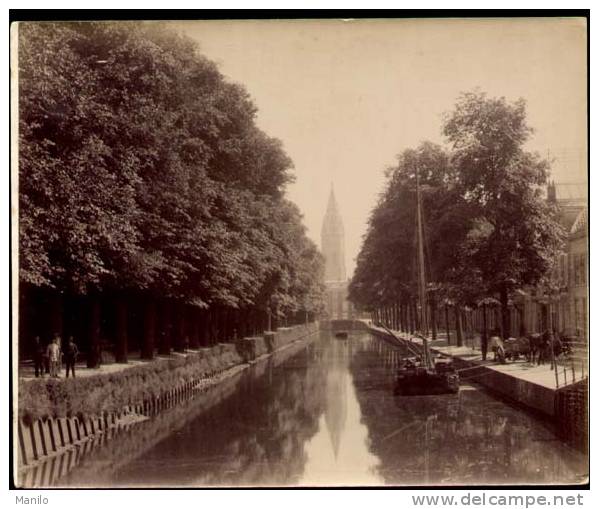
point(535, 343)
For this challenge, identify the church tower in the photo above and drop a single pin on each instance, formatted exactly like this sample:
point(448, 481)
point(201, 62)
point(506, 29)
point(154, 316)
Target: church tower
point(333, 249)
point(333, 242)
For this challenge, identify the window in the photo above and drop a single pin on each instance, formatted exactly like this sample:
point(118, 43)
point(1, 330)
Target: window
point(579, 267)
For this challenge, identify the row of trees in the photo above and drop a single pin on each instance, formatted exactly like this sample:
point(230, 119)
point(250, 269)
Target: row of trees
point(142, 174)
point(488, 229)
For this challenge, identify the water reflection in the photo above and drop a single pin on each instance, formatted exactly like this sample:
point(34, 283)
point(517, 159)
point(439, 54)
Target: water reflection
point(324, 414)
point(254, 437)
point(469, 438)
point(339, 454)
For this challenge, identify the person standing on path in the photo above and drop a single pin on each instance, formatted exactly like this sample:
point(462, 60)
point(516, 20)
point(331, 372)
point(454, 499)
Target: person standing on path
point(70, 356)
point(53, 353)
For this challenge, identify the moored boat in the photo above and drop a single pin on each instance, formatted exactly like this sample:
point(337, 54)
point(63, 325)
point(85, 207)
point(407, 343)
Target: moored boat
point(413, 379)
point(424, 375)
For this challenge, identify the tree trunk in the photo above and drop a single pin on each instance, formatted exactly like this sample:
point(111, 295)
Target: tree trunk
point(505, 313)
point(484, 337)
point(56, 317)
point(26, 346)
point(223, 325)
point(274, 319)
point(94, 348)
point(206, 324)
point(416, 316)
point(149, 338)
point(522, 322)
point(447, 324)
point(215, 333)
point(121, 329)
point(252, 321)
point(433, 305)
point(181, 338)
point(458, 325)
point(400, 316)
point(164, 347)
point(194, 316)
point(467, 315)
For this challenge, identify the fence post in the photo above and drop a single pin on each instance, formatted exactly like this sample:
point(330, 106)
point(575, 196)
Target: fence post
point(554, 363)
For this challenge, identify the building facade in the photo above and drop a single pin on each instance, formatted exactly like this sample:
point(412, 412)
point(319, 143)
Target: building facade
point(562, 304)
point(578, 280)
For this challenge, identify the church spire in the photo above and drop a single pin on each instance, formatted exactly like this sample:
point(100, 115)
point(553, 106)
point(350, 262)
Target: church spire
point(332, 204)
point(333, 239)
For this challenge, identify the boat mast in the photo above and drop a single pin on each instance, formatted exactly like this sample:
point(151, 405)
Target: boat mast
point(421, 282)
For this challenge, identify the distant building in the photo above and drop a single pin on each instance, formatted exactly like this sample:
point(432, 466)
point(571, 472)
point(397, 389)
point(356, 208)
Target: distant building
point(562, 305)
point(333, 242)
point(578, 282)
point(333, 248)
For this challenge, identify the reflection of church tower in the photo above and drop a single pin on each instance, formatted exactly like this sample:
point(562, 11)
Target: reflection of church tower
point(333, 249)
point(333, 240)
point(335, 415)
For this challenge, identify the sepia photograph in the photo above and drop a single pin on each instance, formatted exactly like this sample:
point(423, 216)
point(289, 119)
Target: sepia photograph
point(306, 252)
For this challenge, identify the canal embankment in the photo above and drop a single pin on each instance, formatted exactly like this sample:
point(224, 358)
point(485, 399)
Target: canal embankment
point(534, 387)
point(58, 420)
point(313, 413)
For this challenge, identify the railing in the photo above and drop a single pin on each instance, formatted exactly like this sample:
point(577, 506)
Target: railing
point(568, 368)
point(572, 367)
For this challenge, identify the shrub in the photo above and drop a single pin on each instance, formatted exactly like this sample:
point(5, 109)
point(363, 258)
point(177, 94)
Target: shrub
point(94, 395)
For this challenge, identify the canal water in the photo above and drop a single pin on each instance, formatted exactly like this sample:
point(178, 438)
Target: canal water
point(323, 413)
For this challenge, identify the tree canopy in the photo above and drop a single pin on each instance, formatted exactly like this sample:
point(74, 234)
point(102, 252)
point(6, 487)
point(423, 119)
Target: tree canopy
point(389, 250)
point(488, 228)
point(142, 168)
point(516, 235)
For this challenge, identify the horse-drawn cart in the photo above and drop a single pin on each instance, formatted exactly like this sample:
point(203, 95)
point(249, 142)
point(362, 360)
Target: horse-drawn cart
point(516, 348)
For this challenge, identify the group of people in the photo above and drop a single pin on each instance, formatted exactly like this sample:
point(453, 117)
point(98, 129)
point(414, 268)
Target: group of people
point(48, 359)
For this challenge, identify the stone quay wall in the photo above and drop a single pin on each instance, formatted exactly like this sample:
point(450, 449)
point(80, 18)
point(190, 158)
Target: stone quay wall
point(59, 420)
point(566, 407)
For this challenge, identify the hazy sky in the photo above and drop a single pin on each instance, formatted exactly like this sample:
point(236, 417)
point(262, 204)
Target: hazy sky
point(346, 96)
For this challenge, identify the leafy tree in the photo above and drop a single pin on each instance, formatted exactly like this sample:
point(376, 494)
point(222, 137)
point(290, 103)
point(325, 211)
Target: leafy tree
point(142, 170)
point(77, 200)
point(515, 236)
point(386, 268)
point(487, 228)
